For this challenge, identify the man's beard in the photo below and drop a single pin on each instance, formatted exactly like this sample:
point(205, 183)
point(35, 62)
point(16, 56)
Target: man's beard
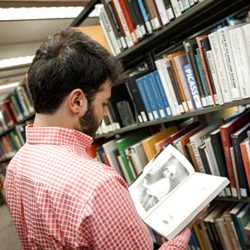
point(89, 123)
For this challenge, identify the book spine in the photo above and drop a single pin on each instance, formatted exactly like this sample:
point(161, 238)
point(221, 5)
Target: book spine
point(242, 62)
point(240, 167)
point(162, 11)
point(146, 102)
point(203, 44)
point(145, 17)
point(245, 152)
point(153, 13)
point(162, 93)
point(128, 21)
point(226, 142)
point(155, 98)
point(226, 49)
point(169, 9)
point(108, 32)
point(203, 78)
point(211, 64)
point(113, 18)
point(176, 8)
point(180, 61)
point(193, 86)
point(220, 67)
point(123, 23)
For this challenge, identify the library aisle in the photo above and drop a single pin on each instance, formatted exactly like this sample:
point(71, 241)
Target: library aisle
point(8, 236)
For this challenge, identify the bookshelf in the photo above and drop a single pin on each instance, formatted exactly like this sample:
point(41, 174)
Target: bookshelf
point(193, 21)
point(198, 20)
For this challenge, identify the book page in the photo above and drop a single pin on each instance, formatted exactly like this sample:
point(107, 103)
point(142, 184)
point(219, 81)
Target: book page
point(160, 177)
point(177, 210)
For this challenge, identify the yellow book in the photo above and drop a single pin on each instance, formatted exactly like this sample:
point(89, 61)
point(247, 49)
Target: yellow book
point(149, 143)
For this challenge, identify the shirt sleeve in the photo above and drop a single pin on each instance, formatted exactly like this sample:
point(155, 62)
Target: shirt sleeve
point(180, 242)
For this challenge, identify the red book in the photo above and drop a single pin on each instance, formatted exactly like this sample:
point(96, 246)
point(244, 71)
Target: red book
point(128, 20)
point(245, 153)
point(225, 131)
point(9, 111)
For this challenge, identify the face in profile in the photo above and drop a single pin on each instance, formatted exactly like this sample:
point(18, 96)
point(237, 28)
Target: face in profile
point(97, 109)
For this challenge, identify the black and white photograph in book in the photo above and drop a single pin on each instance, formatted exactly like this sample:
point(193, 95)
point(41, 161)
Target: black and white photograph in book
point(161, 180)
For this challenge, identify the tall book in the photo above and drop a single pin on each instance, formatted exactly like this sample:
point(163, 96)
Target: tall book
point(241, 59)
point(226, 130)
point(227, 54)
point(245, 153)
point(238, 137)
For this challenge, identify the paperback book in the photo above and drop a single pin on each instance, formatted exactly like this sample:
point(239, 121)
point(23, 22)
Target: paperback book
point(169, 194)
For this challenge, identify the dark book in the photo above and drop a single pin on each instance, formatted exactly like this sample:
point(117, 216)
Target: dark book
point(112, 16)
point(219, 155)
point(190, 48)
point(170, 12)
point(238, 137)
point(137, 99)
point(203, 155)
point(136, 18)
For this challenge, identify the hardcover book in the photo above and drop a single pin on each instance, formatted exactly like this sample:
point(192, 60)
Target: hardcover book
point(167, 183)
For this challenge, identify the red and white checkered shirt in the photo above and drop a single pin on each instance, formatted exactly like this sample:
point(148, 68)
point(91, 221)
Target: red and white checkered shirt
point(60, 198)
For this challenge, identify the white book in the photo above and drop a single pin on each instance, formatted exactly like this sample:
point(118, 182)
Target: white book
point(226, 49)
point(169, 183)
point(108, 31)
point(167, 85)
point(176, 7)
point(180, 61)
point(242, 61)
point(220, 67)
point(162, 11)
point(218, 96)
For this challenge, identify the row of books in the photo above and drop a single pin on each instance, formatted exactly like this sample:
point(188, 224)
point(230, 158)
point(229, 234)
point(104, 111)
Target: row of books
point(16, 107)
point(213, 70)
point(218, 148)
point(225, 226)
point(11, 142)
point(126, 23)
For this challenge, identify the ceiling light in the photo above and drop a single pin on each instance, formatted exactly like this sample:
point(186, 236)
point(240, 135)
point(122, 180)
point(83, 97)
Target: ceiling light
point(17, 61)
point(7, 14)
point(9, 86)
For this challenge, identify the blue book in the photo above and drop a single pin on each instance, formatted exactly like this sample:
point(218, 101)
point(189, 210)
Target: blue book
point(142, 90)
point(193, 86)
point(152, 95)
point(162, 93)
point(156, 95)
point(145, 16)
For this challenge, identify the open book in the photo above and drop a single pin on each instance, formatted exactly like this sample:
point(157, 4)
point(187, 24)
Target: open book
point(169, 194)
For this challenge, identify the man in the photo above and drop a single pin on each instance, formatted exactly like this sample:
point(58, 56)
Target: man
point(58, 196)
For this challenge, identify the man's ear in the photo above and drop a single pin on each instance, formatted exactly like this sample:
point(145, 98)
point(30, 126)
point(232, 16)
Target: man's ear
point(77, 102)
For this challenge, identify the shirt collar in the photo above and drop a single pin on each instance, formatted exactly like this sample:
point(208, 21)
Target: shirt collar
point(57, 136)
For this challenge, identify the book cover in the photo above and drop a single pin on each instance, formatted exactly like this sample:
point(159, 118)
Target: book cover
point(245, 152)
point(166, 181)
point(149, 143)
